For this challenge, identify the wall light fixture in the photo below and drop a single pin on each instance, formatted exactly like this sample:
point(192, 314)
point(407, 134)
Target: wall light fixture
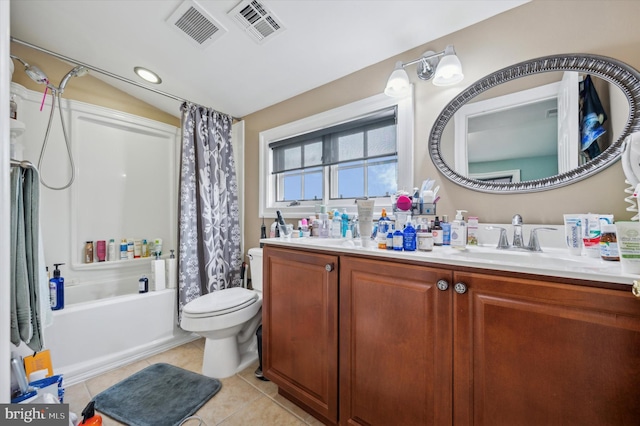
point(444, 68)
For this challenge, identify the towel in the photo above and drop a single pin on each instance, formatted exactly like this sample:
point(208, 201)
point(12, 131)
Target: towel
point(26, 287)
point(593, 116)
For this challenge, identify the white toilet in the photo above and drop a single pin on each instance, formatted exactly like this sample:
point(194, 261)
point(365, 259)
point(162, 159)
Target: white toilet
point(228, 319)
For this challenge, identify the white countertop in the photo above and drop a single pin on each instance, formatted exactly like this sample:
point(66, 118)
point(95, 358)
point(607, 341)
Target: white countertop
point(554, 262)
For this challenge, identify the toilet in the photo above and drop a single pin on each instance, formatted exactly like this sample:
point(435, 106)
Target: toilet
point(228, 320)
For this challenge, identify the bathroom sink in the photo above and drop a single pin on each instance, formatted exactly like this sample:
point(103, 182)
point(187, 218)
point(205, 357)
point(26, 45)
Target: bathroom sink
point(550, 259)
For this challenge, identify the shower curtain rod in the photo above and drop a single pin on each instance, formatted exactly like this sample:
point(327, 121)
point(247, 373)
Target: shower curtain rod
point(107, 73)
point(22, 163)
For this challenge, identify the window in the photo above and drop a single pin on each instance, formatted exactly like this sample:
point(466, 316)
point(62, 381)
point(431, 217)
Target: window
point(361, 149)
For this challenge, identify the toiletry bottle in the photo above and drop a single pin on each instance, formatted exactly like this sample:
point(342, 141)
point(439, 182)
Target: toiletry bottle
point(130, 248)
point(123, 249)
point(446, 230)
point(324, 222)
point(88, 252)
point(345, 223)
point(143, 285)
point(409, 237)
point(472, 230)
point(111, 253)
point(158, 271)
point(336, 225)
point(13, 108)
point(383, 230)
point(56, 289)
point(459, 231)
point(304, 225)
point(272, 230)
point(398, 240)
point(101, 250)
point(145, 248)
point(609, 243)
point(390, 237)
point(137, 249)
point(436, 231)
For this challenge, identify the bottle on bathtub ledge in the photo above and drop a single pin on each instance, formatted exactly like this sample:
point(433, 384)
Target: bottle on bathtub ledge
point(158, 273)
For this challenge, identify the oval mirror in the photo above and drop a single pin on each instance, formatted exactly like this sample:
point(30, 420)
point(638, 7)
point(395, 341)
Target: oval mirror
point(537, 125)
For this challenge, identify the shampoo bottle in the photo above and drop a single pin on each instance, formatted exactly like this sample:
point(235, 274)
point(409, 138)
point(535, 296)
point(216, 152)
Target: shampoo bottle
point(459, 231)
point(436, 231)
point(111, 253)
point(409, 237)
point(446, 230)
point(56, 289)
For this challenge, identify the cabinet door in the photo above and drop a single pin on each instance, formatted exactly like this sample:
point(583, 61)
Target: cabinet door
point(530, 352)
point(300, 328)
point(395, 344)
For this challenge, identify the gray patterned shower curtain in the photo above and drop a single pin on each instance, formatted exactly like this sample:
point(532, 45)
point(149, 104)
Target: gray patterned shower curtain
point(209, 248)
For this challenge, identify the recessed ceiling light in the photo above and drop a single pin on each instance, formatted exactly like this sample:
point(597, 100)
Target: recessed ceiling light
point(147, 75)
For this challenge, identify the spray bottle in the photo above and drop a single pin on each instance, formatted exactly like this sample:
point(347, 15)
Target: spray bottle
point(56, 289)
point(89, 416)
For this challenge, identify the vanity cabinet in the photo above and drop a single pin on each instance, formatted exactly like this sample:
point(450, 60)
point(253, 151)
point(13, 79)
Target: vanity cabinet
point(395, 344)
point(300, 328)
point(537, 352)
point(429, 344)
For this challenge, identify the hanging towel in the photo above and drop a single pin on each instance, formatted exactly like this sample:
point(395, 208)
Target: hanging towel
point(593, 117)
point(26, 286)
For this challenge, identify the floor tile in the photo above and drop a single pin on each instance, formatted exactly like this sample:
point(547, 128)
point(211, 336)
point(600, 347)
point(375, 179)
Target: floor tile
point(106, 380)
point(232, 398)
point(263, 411)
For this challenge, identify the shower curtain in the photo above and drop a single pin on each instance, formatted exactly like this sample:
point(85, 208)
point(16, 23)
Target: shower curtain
point(209, 236)
point(25, 292)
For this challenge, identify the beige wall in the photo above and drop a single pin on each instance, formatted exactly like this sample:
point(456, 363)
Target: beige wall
point(539, 28)
point(86, 89)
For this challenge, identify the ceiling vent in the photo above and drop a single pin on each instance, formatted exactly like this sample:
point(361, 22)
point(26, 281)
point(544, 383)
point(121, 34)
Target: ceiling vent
point(195, 23)
point(256, 20)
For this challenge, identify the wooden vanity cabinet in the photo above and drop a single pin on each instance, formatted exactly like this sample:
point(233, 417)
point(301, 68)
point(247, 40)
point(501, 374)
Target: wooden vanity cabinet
point(535, 352)
point(484, 349)
point(395, 344)
point(300, 328)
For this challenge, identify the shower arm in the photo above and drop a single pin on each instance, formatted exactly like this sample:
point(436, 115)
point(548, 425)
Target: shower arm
point(104, 72)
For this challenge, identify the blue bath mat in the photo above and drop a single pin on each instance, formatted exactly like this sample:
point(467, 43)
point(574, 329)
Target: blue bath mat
point(161, 394)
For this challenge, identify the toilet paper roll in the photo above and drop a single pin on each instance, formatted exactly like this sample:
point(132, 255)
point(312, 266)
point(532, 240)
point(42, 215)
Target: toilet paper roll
point(172, 273)
point(159, 273)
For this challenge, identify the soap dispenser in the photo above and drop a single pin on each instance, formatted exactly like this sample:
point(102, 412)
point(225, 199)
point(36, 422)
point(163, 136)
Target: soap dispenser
point(459, 231)
point(56, 289)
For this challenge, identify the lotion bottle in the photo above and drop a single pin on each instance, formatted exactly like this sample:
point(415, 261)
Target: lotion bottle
point(459, 231)
point(56, 289)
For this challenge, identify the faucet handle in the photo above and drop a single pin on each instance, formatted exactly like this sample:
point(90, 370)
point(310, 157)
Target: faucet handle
point(534, 244)
point(503, 242)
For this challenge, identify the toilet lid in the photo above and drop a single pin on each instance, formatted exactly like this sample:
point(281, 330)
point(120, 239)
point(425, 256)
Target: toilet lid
point(220, 302)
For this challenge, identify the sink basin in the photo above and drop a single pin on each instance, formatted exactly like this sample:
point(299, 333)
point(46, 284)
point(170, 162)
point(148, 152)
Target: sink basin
point(551, 259)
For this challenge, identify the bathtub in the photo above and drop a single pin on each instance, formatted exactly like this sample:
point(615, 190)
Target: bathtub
point(92, 337)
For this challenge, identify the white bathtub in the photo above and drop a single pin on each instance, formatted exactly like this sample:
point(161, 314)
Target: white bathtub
point(89, 338)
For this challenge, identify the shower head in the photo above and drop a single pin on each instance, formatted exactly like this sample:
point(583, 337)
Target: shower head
point(78, 71)
point(34, 73)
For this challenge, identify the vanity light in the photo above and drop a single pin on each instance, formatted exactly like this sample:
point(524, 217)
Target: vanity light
point(147, 75)
point(445, 66)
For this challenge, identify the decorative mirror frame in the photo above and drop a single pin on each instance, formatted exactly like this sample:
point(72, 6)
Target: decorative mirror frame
point(611, 70)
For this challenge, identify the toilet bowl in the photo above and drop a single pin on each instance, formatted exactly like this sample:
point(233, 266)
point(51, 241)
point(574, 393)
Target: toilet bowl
point(228, 320)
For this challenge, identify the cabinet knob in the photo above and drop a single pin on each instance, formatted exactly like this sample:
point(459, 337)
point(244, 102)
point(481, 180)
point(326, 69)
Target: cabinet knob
point(443, 284)
point(460, 288)
point(328, 267)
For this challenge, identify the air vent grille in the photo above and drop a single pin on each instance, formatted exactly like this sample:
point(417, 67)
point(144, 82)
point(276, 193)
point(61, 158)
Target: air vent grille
point(256, 20)
point(196, 24)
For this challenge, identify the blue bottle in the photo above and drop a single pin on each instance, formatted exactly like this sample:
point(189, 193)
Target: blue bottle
point(345, 222)
point(446, 231)
point(398, 240)
point(409, 237)
point(56, 289)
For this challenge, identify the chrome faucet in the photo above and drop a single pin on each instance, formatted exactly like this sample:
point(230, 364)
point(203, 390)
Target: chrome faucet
point(518, 240)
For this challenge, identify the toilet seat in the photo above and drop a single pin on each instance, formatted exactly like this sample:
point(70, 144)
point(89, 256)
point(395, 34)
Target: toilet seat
point(220, 302)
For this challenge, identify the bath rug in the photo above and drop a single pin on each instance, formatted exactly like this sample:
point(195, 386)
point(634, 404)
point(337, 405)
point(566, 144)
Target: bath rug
point(161, 394)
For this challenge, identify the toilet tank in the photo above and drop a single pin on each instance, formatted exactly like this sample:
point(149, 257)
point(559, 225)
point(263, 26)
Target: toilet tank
point(255, 263)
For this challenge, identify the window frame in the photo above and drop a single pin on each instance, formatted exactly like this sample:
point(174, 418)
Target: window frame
point(405, 143)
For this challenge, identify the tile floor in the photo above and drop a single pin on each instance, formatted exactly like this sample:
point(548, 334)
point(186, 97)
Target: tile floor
point(243, 399)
